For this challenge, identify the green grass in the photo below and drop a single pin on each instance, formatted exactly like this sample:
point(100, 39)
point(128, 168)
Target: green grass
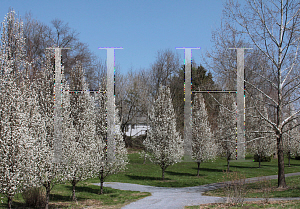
point(184, 174)
point(293, 189)
point(179, 175)
point(258, 189)
point(86, 193)
point(274, 205)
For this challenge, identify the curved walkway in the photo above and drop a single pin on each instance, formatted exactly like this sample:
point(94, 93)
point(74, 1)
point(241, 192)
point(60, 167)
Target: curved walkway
point(177, 198)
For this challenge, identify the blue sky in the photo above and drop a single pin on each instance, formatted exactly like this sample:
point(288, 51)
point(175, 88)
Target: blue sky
point(141, 27)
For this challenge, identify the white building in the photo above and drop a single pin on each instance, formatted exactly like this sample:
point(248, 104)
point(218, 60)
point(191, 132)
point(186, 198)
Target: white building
point(136, 127)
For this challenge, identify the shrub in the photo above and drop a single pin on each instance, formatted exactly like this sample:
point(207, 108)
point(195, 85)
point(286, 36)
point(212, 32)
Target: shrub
point(35, 197)
point(235, 187)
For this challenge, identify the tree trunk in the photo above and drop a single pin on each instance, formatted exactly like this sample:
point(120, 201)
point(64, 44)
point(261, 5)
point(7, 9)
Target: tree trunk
point(144, 158)
point(228, 164)
point(74, 182)
point(47, 186)
point(259, 160)
point(198, 168)
point(9, 202)
point(281, 176)
point(289, 156)
point(163, 173)
point(101, 181)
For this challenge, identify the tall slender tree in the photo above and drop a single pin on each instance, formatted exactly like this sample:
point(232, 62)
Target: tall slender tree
point(102, 167)
point(163, 141)
point(49, 172)
point(227, 128)
point(80, 147)
point(204, 146)
point(261, 140)
point(291, 139)
point(18, 112)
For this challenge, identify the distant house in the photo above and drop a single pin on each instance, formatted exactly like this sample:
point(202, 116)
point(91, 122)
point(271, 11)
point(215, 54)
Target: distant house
point(136, 127)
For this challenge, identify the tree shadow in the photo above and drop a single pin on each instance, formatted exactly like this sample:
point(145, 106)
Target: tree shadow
point(208, 169)
point(292, 164)
point(151, 178)
point(178, 173)
point(61, 198)
point(266, 165)
point(242, 166)
point(16, 205)
point(89, 189)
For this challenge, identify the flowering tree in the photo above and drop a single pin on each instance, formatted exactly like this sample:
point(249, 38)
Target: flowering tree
point(163, 141)
point(204, 146)
point(261, 140)
point(48, 171)
point(291, 139)
point(18, 112)
point(102, 167)
point(227, 128)
point(15, 141)
point(80, 145)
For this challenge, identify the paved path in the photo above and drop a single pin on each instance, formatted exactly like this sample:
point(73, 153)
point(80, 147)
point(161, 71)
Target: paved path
point(177, 198)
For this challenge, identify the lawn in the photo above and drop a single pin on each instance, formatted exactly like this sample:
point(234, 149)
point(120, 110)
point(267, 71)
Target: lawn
point(267, 188)
point(87, 195)
point(179, 175)
point(184, 174)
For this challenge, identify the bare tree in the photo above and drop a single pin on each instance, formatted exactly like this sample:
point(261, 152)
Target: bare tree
point(132, 97)
point(39, 36)
point(272, 29)
point(166, 64)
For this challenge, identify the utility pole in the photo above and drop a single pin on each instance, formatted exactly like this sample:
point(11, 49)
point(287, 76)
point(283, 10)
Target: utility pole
point(240, 101)
point(57, 105)
point(110, 89)
point(187, 103)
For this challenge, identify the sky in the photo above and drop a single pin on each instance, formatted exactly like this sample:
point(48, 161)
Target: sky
point(141, 27)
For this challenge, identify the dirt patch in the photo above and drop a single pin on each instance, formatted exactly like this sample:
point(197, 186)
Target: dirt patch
point(141, 193)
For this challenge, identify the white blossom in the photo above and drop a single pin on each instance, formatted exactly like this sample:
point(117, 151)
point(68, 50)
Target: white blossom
point(18, 113)
point(260, 138)
point(226, 134)
point(204, 146)
point(291, 137)
point(102, 167)
point(163, 140)
point(79, 145)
